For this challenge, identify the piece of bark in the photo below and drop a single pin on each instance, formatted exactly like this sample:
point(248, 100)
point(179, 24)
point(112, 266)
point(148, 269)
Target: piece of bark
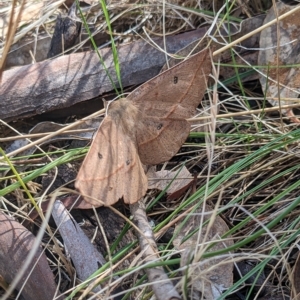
point(66, 32)
point(15, 244)
point(66, 80)
point(245, 54)
point(83, 253)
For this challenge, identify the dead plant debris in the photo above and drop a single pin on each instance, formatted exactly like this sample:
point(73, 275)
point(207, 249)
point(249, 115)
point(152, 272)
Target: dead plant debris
point(230, 228)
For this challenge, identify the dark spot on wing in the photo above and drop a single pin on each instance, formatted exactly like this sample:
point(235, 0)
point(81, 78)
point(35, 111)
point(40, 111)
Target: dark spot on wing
point(159, 126)
point(100, 156)
point(175, 79)
point(128, 162)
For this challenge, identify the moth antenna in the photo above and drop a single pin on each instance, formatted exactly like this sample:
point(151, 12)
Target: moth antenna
point(106, 105)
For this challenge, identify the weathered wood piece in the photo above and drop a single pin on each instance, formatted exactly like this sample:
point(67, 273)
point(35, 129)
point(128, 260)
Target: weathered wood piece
point(16, 242)
point(66, 80)
point(50, 85)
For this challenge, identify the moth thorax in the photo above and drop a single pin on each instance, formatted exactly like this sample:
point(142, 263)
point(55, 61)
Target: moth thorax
point(123, 112)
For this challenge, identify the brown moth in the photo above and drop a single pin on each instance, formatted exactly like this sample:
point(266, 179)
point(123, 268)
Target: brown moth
point(148, 127)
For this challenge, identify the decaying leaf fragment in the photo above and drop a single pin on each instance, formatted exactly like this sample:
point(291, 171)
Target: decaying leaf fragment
point(288, 53)
point(208, 277)
point(179, 181)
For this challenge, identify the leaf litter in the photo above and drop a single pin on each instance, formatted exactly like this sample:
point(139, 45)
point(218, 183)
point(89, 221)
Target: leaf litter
point(255, 193)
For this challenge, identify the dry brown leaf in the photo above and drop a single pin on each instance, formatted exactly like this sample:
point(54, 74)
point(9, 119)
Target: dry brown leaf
point(209, 277)
point(148, 127)
point(287, 54)
point(15, 243)
point(161, 179)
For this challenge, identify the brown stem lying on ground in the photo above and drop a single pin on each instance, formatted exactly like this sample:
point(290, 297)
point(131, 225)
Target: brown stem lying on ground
point(161, 284)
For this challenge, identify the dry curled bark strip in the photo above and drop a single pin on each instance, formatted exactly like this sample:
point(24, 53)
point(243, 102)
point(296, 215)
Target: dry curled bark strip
point(162, 286)
point(84, 255)
point(15, 244)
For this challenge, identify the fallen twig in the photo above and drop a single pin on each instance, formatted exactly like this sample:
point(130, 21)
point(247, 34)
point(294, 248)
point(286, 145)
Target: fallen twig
point(162, 286)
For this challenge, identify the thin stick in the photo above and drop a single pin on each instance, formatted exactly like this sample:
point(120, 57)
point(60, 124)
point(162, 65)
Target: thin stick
point(162, 286)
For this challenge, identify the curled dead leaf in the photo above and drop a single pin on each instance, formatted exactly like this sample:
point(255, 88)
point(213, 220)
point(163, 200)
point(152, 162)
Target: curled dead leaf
point(283, 81)
point(179, 181)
